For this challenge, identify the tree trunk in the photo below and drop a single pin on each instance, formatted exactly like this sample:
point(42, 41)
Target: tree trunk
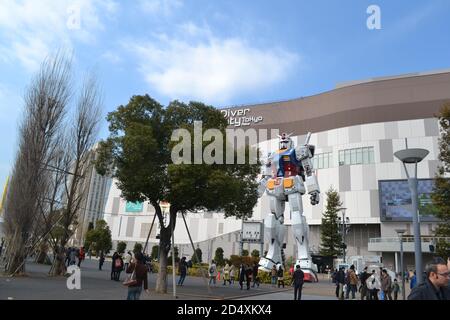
point(59, 266)
point(16, 263)
point(164, 248)
point(41, 257)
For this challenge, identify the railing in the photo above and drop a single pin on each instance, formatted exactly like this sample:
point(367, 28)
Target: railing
point(409, 239)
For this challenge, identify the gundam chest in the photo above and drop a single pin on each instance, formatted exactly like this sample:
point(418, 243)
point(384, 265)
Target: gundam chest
point(285, 164)
point(285, 173)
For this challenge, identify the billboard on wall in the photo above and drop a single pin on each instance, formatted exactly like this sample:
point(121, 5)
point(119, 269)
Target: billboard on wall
point(134, 206)
point(396, 203)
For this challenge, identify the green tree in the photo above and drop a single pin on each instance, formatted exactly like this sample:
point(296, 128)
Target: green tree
point(441, 192)
point(138, 154)
point(121, 247)
point(99, 238)
point(218, 257)
point(137, 248)
point(245, 253)
point(90, 226)
point(197, 257)
point(155, 251)
point(330, 237)
point(255, 253)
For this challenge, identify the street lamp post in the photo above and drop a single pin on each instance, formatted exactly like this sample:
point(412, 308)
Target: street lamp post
point(400, 233)
point(414, 156)
point(345, 220)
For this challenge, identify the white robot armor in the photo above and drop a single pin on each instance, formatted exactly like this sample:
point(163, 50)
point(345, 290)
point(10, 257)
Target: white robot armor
point(288, 174)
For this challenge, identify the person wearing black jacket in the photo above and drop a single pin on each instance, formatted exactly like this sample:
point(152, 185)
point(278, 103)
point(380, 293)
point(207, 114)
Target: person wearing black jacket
point(435, 286)
point(298, 282)
point(363, 288)
point(340, 279)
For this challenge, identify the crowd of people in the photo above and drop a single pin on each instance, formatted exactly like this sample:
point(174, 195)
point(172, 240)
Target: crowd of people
point(379, 285)
point(74, 256)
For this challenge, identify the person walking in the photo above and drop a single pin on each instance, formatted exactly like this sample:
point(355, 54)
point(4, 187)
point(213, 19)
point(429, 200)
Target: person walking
point(72, 257)
point(212, 272)
point(280, 274)
point(182, 269)
point(101, 261)
point(226, 273)
point(138, 277)
point(436, 284)
point(255, 275)
point(395, 289)
point(81, 256)
point(242, 274)
point(298, 280)
point(248, 275)
point(232, 274)
point(363, 288)
point(273, 273)
point(386, 285)
point(373, 285)
point(340, 280)
point(128, 258)
point(352, 283)
point(119, 267)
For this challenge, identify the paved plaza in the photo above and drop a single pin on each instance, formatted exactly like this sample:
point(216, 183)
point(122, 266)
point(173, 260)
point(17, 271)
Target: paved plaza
point(96, 285)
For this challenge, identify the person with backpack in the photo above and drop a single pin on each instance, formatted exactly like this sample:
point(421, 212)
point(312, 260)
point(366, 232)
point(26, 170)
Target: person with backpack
point(212, 272)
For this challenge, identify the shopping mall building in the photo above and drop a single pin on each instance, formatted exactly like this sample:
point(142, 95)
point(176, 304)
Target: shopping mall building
point(356, 129)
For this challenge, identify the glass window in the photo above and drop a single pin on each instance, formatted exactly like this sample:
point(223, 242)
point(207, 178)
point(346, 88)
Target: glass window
point(347, 157)
point(353, 156)
point(371, 155)
point(365, 155)
point(359, 156)
point(341, 157)
point(320, 161)
point(330, 160)
point(326, 162)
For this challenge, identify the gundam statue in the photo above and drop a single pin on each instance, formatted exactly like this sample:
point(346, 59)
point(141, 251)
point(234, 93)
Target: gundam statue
point(288, 174)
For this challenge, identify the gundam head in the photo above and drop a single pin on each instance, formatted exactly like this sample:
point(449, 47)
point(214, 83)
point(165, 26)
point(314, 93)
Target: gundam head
point(285, 141)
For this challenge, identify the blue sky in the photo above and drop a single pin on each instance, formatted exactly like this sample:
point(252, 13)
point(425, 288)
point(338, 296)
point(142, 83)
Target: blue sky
point(219, 52)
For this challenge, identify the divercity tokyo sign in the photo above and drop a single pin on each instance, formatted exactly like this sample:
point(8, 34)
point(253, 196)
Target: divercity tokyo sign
point(240, 117)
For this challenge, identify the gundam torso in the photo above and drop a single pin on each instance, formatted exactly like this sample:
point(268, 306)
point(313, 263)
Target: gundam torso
point(286, 174)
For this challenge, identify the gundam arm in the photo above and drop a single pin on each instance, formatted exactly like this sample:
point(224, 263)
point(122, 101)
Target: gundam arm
point(267, 173)
point(304, 155)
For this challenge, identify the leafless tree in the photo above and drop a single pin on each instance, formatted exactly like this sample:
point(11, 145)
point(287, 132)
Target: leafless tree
point(82, 137)
point(45, 107)
point(47, 185)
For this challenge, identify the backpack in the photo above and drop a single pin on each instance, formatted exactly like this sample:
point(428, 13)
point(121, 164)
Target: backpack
point(118, 263)
point(211, 270)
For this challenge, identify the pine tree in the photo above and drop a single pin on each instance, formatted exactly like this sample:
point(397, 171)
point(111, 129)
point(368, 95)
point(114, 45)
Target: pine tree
point(441, 194)
point(330, 237)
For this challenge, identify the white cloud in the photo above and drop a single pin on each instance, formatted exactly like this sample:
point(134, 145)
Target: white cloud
point(112, 57)
point(31, 29)
point(211, 70)
point(164, 7)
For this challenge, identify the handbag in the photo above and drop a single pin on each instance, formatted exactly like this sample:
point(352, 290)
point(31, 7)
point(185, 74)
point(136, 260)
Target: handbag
point(131, 280)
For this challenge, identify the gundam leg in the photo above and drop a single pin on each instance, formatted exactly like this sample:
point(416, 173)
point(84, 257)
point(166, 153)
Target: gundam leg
point(300, 231)
point(274, 230)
